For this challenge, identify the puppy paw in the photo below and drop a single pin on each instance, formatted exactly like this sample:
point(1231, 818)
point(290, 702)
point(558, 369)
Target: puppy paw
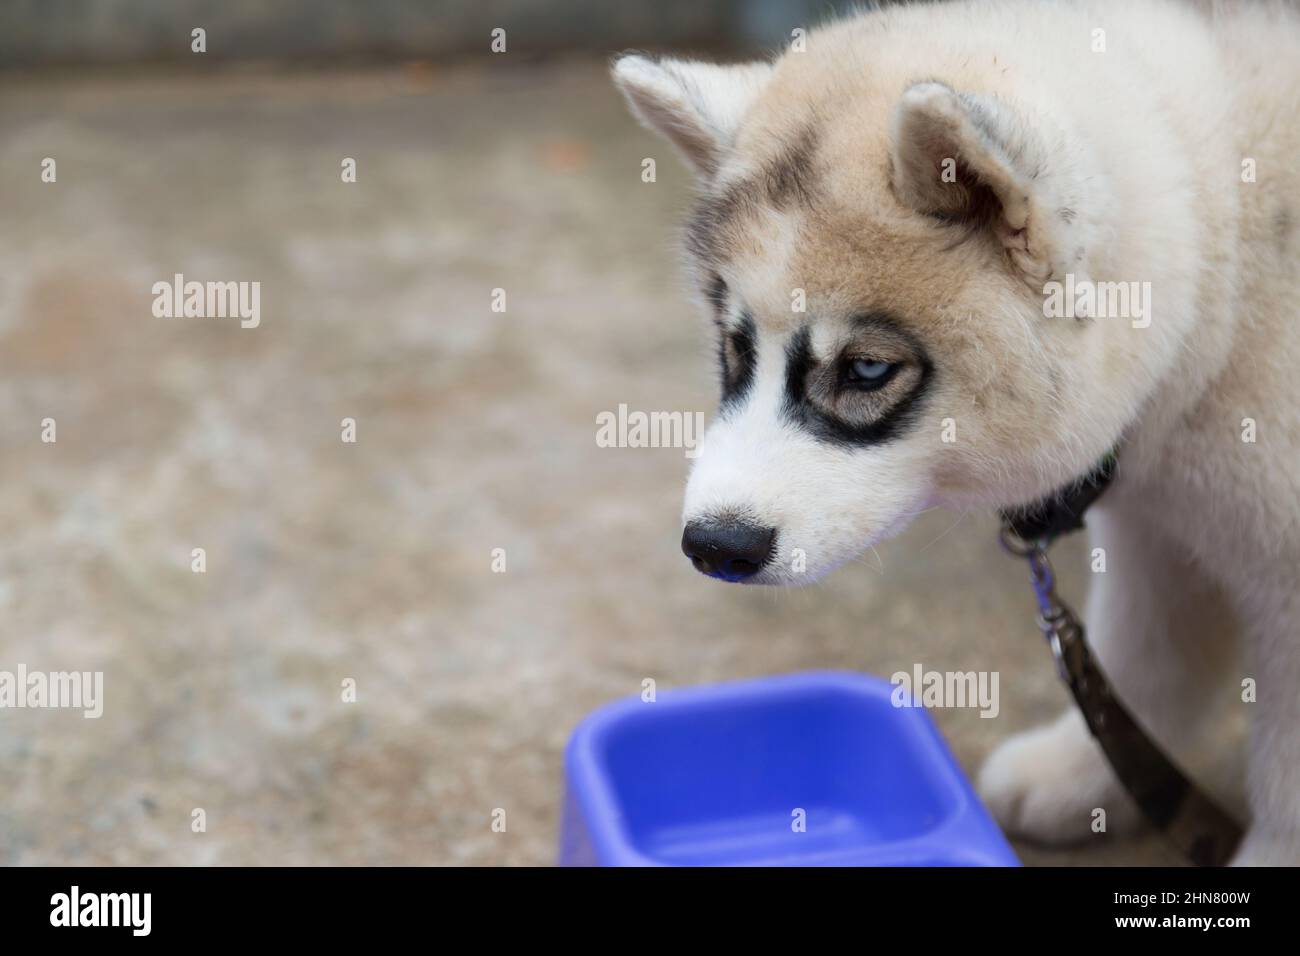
point(1047, 784)
point(1266, 847)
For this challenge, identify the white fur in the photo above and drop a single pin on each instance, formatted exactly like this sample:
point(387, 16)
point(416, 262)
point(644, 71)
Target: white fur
point(698, 106)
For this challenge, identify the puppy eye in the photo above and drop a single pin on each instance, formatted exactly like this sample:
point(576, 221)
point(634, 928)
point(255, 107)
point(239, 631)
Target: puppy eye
point(869, 374)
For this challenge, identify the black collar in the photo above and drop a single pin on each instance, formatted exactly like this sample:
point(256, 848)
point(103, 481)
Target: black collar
point(1062, 511)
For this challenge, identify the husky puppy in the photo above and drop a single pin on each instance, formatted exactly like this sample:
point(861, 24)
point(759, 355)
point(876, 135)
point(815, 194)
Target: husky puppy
point(894, 223)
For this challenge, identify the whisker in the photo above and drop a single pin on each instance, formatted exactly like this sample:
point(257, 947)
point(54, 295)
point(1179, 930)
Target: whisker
point(960, 519)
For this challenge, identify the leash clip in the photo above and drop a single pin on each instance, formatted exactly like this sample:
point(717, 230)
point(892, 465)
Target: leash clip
point(1058, 622)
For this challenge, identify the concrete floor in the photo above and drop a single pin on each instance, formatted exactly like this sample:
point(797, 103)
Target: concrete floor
point(372, 561)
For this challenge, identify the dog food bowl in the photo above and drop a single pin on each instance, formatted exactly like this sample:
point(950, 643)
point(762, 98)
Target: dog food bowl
point(812, 769)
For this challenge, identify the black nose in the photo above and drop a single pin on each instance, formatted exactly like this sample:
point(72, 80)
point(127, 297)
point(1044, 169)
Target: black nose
point(731, 550)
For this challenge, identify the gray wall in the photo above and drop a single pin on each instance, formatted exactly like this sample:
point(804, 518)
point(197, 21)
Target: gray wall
point(58, 32)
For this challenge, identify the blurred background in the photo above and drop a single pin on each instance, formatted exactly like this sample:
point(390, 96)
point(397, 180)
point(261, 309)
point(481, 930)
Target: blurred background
point(372, 561)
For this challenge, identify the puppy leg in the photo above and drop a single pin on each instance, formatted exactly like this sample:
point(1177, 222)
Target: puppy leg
point(1273, 777)
point(1164, 637)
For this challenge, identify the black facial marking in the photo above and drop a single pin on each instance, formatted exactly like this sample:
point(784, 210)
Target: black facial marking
point(737, 355)
point(798, 360)
point(800, 410)
point(788, 178)
point(708, 223)
point(716, 293)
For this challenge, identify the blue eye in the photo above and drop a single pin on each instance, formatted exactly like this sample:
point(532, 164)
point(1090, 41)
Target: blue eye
point(870, 373)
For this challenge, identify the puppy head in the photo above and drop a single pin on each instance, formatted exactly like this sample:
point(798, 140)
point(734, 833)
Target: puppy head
point(873, 249)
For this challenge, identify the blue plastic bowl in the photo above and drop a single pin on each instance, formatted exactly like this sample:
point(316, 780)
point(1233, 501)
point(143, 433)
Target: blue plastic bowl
point(723, 775)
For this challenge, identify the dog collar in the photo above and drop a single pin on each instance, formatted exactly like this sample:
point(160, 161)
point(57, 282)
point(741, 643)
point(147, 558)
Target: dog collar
point(1062, 511)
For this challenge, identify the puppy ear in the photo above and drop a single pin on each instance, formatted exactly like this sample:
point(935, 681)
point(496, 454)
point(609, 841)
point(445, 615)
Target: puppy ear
point(696, 106)
point(974, 159)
